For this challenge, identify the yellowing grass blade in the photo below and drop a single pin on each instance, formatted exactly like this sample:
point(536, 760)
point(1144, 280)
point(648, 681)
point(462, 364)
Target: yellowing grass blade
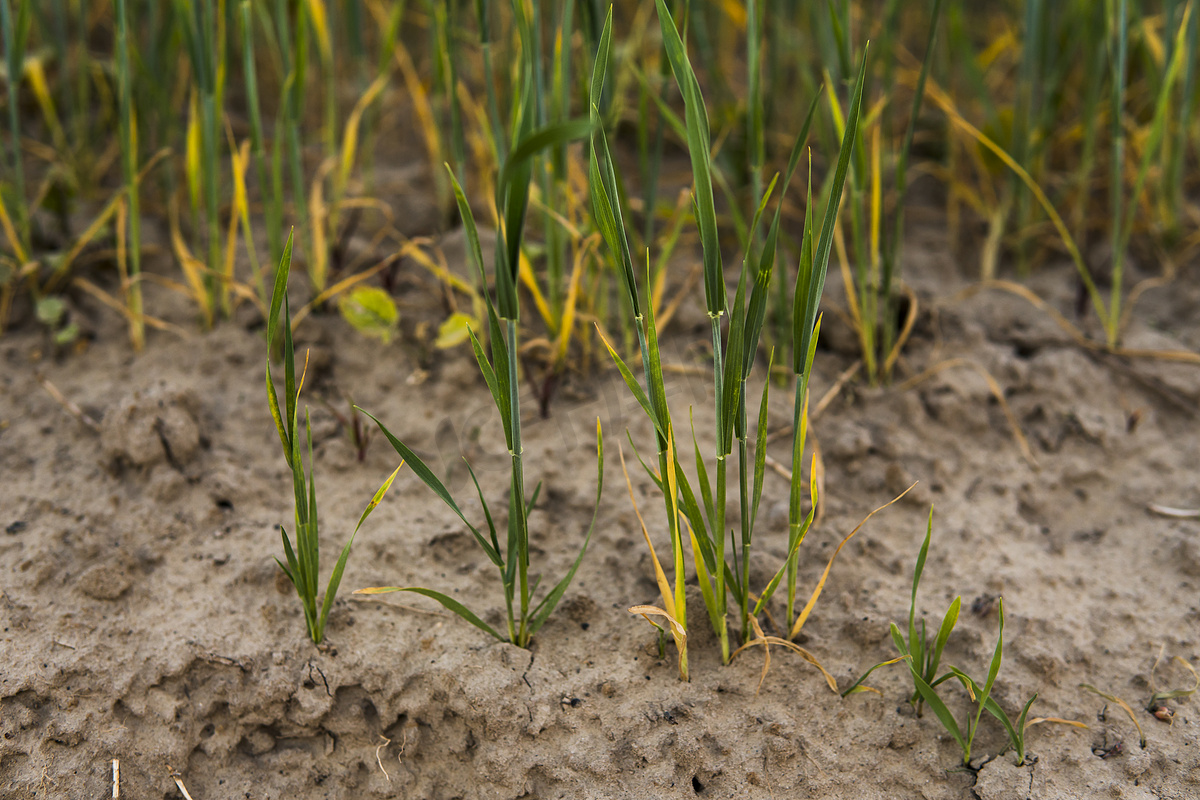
point(192, 150)
point(567, 323)
point(812, 601)
point(320, 24)
point(1057, 720)
point(664, 587)
point(241, 212)
point(412, 249)
point(529, 281)
point(378, 498)
point(237, 161)
point(678, 632)
point(193, 269)
point(10, 233)
point(862, 687)
point(671, 487)
point(350, 135)
point(35, 73)
point(706, 589)
point(766, 641)
point(318, 212)
point(1125, 706)
point(61, 269)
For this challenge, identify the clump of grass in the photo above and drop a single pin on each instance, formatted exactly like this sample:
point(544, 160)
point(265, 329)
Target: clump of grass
point(735, 348)
point(875, 236)
point(982, 698)
point(129, 168)
point(923, 657)
point(204, 37)
point(272, 200)
point(15, 32)
point(500, 371)
point(303, 565)
point(924, 654)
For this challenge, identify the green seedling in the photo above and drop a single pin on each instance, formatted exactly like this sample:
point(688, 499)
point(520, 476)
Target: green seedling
point(15, 31)
point(1015, 729)
point(52, 312)
point(500, 372)
point(924, 656)
point(205, 43)
point(303, 559)
point(735, 347)
point(129, 169)
point(928, 692)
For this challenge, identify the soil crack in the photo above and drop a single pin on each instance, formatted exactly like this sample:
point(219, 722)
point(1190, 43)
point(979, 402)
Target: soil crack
point(324, 680)
point(160, 428)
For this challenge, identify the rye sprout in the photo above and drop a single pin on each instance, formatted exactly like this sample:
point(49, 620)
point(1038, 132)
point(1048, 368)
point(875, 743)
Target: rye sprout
point(929, 694)
point(272, 200)
point(734, 353)
point(303, 559)
point(201, 34)
point(1122, 221)
point(1015, 729)
point(876, 241)
point(924, 657)
point(16, 33)
point(129, 167)
point(500, 372)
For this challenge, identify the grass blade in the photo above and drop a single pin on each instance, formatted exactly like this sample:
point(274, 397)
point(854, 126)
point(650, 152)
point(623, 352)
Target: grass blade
point(815, 287)
point(449, 603)
point(941, 711)
point(699, 146)
point(429, 479)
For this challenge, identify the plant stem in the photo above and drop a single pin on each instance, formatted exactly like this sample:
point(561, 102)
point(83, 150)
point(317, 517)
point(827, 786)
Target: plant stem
point(517, 503)
point(1117, 189)
point(747, 519)
point(718, 522)
point(14, 52)
point(795, 512)
point(129, 161)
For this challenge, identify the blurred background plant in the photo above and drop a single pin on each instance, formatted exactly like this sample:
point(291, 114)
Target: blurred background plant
point(169, 144)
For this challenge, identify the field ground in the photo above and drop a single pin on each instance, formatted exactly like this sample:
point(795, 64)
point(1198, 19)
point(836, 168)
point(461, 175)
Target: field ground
point(144, 618)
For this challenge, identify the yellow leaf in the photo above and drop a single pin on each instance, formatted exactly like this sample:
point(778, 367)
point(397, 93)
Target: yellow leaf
point(192, 166)
point(320, 23)
point(455, 330)
point(371, 311)
point(350, 136)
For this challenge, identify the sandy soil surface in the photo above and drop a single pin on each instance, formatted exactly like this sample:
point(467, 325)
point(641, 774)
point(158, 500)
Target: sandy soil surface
point(143, 618)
